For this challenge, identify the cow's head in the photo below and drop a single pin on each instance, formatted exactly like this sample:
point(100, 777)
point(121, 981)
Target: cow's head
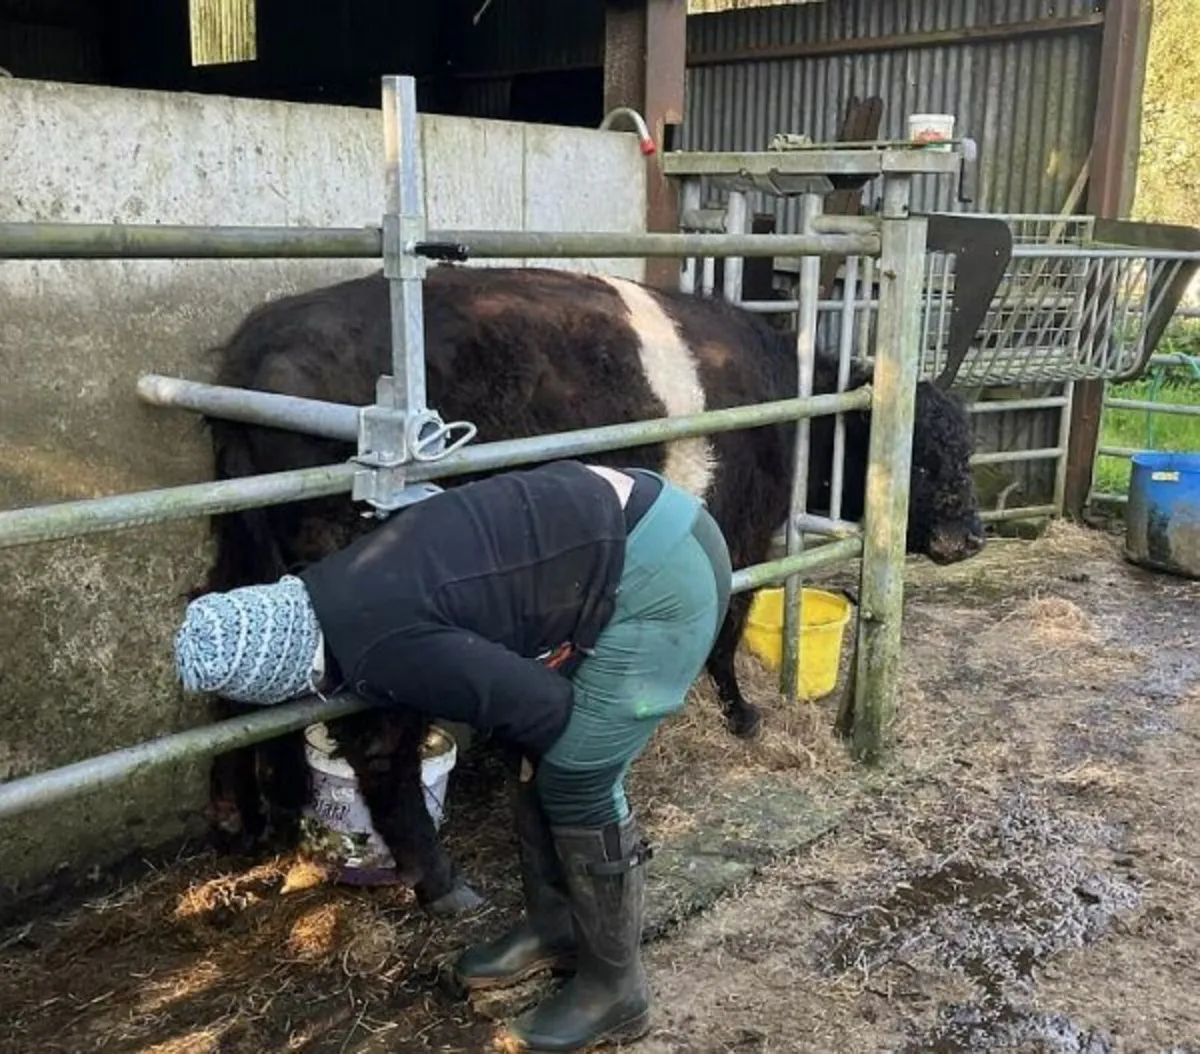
point(943, 512)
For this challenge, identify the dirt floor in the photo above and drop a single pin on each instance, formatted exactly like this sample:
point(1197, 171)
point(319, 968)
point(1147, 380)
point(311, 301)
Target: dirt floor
point(1021, 876)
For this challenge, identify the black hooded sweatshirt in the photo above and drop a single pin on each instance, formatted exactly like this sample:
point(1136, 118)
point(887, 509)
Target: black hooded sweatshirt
point(461, 605)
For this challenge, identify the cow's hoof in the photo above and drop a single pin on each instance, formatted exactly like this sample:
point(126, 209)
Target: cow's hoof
point(460, 900)
point(744, 721)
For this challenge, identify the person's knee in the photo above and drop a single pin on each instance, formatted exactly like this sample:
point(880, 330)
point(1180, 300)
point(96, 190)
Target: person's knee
point(581, 798)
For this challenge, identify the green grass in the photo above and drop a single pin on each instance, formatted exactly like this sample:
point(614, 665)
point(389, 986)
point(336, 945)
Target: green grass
point(1149, 431)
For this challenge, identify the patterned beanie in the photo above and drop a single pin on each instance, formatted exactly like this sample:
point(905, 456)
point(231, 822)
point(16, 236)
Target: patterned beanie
point(256, 644)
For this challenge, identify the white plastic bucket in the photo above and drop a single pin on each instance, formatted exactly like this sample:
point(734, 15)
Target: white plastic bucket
point(931, 128)
point(337, 823)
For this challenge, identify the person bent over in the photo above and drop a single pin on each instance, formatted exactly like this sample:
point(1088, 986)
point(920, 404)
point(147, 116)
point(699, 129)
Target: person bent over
point(565, 610)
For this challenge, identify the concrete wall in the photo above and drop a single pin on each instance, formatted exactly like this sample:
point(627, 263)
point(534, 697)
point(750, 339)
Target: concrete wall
point(86, 625)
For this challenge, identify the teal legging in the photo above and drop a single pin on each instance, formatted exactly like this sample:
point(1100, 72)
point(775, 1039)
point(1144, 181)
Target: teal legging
point(672, 599)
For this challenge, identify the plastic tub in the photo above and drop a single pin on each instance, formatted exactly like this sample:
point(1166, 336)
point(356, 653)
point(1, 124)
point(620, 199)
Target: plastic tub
point(1162, 520)
point(823, 620)
point(337, 823)
point(931, 128)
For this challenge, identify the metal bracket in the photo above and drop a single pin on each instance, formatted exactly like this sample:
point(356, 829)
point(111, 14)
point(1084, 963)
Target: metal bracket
point(389, 440)
point(968, 172)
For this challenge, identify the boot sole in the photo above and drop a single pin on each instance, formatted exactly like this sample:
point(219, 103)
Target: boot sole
point(488, 984)
point(630, 1032)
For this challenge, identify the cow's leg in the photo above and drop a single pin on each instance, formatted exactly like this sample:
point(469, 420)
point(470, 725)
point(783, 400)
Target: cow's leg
point(742, 717)
point(385, 753)
point(234, 793)
point(286, 785)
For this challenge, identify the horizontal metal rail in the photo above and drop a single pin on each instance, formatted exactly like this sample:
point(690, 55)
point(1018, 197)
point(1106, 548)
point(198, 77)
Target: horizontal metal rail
point(1001, 457)
point(1112, 497)
point(1028, 512)
point(311, 416)
point(150, 241)
point(1097, 252)
point(1154, 408)
point(78, 518)
point(1000, 406)
point(54, 785)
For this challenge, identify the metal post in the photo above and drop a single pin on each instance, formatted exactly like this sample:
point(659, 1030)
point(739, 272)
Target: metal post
point(897, 365)
point(806, 333)
point(735, 223)
point(689, 202)
point(845, 349)
point(400, 429)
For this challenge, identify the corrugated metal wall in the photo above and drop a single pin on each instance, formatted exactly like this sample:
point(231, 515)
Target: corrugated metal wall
point(57, 41)
point(1029, 101)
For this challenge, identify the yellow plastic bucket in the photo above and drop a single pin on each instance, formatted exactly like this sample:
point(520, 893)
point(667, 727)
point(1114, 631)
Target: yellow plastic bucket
point(823, 620)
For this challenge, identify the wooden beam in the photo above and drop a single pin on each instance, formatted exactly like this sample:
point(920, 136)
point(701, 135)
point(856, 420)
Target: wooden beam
point(1112, 178)
point(645, 46)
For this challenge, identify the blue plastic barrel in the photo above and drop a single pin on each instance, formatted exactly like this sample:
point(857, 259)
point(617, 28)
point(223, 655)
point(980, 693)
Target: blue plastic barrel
point(1162, 521)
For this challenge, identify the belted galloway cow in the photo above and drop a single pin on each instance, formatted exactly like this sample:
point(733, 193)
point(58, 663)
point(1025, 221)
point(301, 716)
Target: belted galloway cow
point(523, 352)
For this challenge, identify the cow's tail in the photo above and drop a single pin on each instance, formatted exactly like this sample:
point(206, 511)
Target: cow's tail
point(246, 550)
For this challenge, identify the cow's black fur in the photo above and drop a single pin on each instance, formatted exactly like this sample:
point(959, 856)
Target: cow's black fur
point(525, 351)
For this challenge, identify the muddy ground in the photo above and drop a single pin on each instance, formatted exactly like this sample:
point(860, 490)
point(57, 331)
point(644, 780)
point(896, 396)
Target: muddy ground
point(1021, 876)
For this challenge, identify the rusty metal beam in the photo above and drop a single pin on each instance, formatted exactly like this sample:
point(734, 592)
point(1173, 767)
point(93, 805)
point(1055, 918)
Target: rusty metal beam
point(645, 49)
point(900, 41)
point(1115, 141)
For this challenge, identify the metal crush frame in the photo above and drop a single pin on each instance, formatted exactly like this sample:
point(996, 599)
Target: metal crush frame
point(403, 445)
point(1068, 308)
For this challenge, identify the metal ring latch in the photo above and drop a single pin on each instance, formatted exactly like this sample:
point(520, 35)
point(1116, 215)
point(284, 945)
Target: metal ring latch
point(431, 444)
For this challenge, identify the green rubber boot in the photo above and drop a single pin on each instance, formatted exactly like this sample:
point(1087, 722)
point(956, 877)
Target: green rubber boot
point(544, 938)
point(608, 999)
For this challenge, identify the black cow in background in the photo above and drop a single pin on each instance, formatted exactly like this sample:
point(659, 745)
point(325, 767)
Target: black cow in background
point(522, 352)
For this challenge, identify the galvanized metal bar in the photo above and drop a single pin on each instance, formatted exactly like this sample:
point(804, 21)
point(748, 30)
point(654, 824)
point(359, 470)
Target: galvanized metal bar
point(105, 770)
point(403, 227)
point(839, 223)
point(1029, 512)
point(1004, 457)
point(1112, 498)
point(998, 406)
point(806, 335)
point(1155, 408)
point(735, 223)
point(1064, 443)
point(897, 369)
point(311, 416)
point(1102, 252)
point(788, 307)
point(150, 241)
point(689, 201)
point(78, 518)
point(772, 573)
point(50, 787)
point(1118, 451)
point(845, 347)
point(617, 244)
point(810, 523)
